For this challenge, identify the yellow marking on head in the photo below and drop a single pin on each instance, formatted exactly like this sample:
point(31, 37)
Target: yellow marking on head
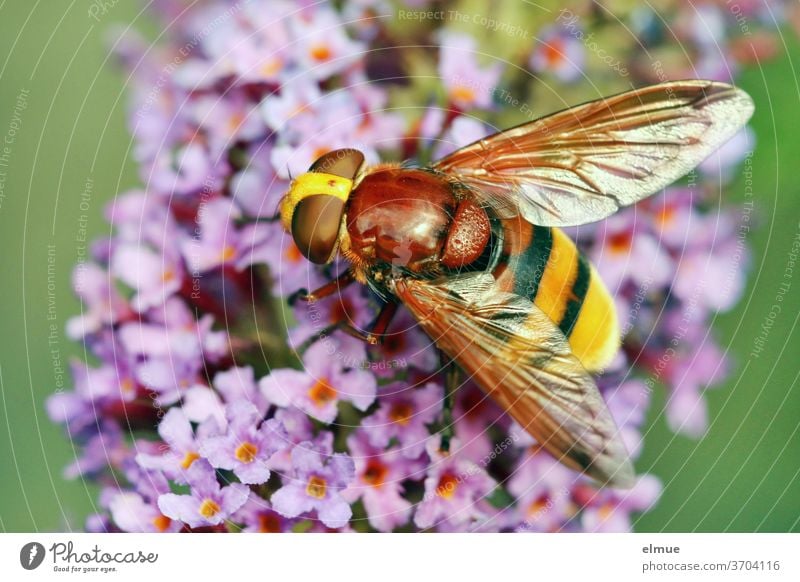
point(312, 184)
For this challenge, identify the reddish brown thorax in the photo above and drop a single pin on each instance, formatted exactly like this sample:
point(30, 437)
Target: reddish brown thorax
point(412, 218)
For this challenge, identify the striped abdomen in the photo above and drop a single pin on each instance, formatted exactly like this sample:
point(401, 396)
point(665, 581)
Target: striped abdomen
point(543, 264)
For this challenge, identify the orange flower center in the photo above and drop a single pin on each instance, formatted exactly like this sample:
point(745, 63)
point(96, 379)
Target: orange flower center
point(292, 253)
point(554, 52)
point(246, 452)
point(188, 459)
point(320, 52)
point(375, 473)
point(227, 253)
point(162, 522)
point(665, 215)
point(537, 506)
point(209, 508)
point(401, 413)
point(316, 487)
point(620, 242)
point(271, 67)
point(127, 386)
point(462, 93)
point(167, 276)
point(235, 121)
point(605, 511)
point(448, 483)
point(321, 393)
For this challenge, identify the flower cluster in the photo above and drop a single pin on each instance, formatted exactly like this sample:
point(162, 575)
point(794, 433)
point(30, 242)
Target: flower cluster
point(218, 404)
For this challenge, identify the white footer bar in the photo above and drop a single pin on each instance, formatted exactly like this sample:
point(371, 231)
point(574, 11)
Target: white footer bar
point(350, 557)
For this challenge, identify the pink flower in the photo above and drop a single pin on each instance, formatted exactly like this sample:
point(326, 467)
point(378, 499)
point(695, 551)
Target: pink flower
point(403, 414)
point(315, 484)
point(610, 510)
point(182, 447)
point(468, 84)
point(247, 445)
point(543, 488)
point(560, 52)
point(208, 504)
point(322, 384)
point(378, 483)
point(454, 489)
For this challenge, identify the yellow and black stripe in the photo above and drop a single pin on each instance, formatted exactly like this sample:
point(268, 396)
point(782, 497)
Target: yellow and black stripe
point(544, 265)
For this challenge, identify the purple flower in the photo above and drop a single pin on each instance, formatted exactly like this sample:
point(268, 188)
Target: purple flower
point(219, 242)
point(256, 188)
point(299, 428)
point(379, 476)
point(182, 446)
point(102, 302)
point(153, 276)
point(295, 105)
point(133, 514)
point(403, 414)
point(624, 252)
point(227, 121)
point(462, 131)
point(257, 516)
point(208, 504)
point(723, 162)
point(689, 373)
point(239, 384)
point(247, 445)
point(106, 448)
point(324, 47)
point(628, 405)
point(322, 384)
point(184, 169)
point(542, 487)
point(454, 489)
point(609, 510)
point(315, 484)
point(468, 84)
point(137, 511)
point(560, 52)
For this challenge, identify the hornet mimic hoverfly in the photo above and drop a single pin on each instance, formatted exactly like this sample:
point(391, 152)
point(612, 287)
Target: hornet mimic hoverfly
point(471, 246)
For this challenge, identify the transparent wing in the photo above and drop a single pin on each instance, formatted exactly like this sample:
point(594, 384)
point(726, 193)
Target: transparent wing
point(523, 361)
point(584, 163)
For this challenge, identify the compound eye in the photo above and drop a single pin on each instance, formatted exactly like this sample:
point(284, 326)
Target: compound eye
point(344, 162)
point(317, 218)
point(315, 227)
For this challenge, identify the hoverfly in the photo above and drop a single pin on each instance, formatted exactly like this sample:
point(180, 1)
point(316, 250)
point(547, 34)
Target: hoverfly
point(471, 246)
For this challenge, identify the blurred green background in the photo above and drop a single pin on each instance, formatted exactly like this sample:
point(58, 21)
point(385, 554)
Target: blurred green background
point(743, 476)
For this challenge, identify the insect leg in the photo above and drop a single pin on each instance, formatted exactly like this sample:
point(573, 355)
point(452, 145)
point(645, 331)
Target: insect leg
point(326, 290)
point(381, 323)
point(450, 385)
point(377, 328)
